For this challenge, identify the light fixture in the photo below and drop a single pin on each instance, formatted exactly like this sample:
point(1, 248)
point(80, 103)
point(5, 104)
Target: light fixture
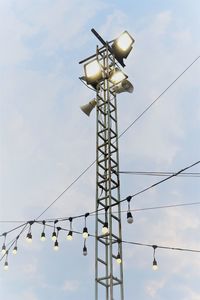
point(93, 71)
point(123, 86)
point(29, 237)
point(85, 230)
point(122, 46)
point(43, 237)
point(54, 235)
point(29, 234)
point(155, 265)
point(87, 108)
point(116, 76)
point(85, 249)
point(129, 214)
point(105, 229)
point(70, 233)
point(15, 247)
point(6, 262)
point(56, 246)
point(3, 249)
point(118, 258)
point(14, 250)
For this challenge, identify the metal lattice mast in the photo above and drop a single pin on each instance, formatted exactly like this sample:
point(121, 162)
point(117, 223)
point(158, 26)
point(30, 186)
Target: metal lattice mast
point(109, 275)
point(103, 74)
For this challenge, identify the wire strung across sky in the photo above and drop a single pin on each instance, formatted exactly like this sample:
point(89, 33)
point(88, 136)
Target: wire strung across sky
point(123, 132)
point(158, 174)
point(103, 209)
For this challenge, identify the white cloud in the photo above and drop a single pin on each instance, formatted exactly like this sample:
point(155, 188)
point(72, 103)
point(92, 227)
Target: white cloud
point(152, 287)
point(70, 285)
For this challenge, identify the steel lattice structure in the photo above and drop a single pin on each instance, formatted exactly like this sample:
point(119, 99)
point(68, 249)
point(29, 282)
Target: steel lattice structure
point(101, 74)
point(108, 275)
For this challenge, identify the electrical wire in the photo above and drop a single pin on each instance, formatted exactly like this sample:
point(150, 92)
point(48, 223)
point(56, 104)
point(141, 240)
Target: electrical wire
point(125, 199)
point(157, 174)
point(123, 132)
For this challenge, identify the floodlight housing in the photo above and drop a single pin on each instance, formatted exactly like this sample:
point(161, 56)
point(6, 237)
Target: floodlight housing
point(93, 71)
point(117, 76)
point(122, 46)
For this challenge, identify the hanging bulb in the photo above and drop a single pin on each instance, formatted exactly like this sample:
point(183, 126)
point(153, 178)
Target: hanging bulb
point(105, 228)
point(85, 251)
point(129, 217)
point(56, 246)
point(43, 237)
point(54, 236)
point(3, 249)
point(118, 258)
point(14, 250)
point(155, 265)
point(29, 237)
point(85, 233)
point(6, 266)
point(70, 235)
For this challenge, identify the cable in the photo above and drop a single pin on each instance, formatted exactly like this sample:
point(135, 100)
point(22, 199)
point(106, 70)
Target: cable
point(158, 173)
point(124, 211)
point(125, 199)
point(123, 132)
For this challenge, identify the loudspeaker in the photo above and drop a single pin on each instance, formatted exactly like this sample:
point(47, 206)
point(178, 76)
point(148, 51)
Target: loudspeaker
point(87, 108)
point(123, 86)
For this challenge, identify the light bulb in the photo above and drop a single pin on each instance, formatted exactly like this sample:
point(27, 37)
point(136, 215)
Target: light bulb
point(124, 41)
point(54, 236)
point(70, 235)
point(56, 246)
point(118, 259)
point(105, 228)
point(6, 266)
point(155, 265)
point(85, 251)
point(3, 250)
point(29, 238)
point(15, 250)
point(85, 233)
point(129, 217)
point(43, 237)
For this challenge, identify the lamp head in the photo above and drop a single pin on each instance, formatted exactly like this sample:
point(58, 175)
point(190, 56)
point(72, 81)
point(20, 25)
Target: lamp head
point(93, 71)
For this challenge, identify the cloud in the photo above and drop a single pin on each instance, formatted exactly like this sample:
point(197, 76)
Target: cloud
point(70, 285)
point(152, 287)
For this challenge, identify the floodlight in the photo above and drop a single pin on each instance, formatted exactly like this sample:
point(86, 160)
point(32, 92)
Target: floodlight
point(122, 46)
point(117, 76)
point(93, 71)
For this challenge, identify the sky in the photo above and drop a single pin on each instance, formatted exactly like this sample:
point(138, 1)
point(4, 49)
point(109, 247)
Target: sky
point(46, 142)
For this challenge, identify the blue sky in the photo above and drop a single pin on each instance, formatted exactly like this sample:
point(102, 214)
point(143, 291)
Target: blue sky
point(46, 141)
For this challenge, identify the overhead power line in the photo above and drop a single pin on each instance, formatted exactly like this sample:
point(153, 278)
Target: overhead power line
point(123, 132)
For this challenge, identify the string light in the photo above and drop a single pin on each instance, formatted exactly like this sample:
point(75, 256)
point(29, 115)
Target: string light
point(85, 230)
point(3, 249)
point(155, 265)
point(43, 237)
point(29, 234)
point(118, 258)
point(15, 247)
point(105, 229)
point(70, 233)
point(54, 236)
point(85, 249)
point(129, 214)
point(6, 262)
point(56, 245)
